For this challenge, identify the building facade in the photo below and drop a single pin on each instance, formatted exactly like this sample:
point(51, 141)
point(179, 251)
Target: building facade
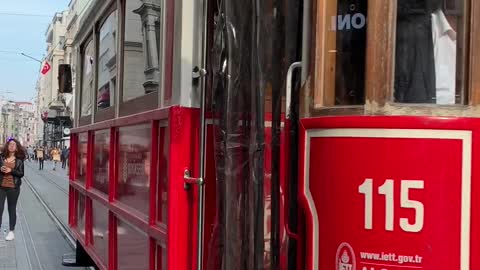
point(55, 110)
point(18, 121)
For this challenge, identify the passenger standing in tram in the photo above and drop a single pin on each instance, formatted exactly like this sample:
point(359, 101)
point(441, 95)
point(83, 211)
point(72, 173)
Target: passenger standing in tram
point(414, 61)
point(40, 156)
point(11, 173)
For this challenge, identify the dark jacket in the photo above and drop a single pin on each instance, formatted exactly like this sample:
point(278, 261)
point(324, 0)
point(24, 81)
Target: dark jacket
point(415, 63)
point(17, 172)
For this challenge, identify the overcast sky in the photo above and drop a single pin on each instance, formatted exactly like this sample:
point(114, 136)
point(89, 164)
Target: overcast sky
point(21, 33)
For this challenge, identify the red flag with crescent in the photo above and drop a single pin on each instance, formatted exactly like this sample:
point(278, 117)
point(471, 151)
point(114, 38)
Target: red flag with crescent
point(46, 67)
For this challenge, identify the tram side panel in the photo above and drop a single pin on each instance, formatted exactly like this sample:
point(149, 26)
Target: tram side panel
point(143, 217)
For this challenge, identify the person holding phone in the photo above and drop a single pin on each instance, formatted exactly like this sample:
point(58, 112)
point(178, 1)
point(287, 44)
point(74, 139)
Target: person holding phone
point(11, 173)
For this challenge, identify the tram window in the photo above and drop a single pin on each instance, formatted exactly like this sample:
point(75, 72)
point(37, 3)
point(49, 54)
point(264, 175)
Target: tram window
point(342, 39)
point(428, 55)
point(134, 167)
point(88, 58)
point(101, 157)
point(82, 157)
point(81, 206)
point(162, 188)
point(133, 247)
point(100, 230)
point(107, 64)
point(141, 48)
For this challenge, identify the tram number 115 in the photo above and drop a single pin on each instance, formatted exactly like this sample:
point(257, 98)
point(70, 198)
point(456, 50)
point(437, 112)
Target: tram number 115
point(387, 190)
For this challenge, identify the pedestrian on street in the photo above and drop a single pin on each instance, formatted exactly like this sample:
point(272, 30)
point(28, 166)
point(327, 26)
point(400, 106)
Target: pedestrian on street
point(65, 155)
point(40, 156)
point(55, 154)
point(11, 173)
point(30, 153)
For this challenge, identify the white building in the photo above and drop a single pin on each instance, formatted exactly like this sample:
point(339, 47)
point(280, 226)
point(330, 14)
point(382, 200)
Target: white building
point(54, 109)
point(24, 123)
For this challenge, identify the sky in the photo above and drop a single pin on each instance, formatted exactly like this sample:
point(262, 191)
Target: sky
point(19, 33)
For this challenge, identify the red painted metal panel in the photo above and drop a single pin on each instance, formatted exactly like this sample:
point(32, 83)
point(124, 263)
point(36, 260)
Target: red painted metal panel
point(152, 248)
point(112, 242)
point(181, 223)
point(390, 150)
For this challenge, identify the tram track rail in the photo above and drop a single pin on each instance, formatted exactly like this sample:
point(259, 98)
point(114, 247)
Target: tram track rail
point(63, 228)
point(52, 181)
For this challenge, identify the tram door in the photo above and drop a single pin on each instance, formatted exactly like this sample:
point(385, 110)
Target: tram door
point(250, 47)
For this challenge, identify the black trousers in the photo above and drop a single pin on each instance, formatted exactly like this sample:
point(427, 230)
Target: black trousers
point(11, 194)
point(40, 163)
point(64, 163)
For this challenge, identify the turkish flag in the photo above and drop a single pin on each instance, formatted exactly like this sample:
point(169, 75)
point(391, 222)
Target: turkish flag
point(46, 68)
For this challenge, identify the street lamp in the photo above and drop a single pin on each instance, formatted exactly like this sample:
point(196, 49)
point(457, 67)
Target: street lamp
point(31, 57)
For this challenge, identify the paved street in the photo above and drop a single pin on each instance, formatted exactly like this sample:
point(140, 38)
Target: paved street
point(38, 243)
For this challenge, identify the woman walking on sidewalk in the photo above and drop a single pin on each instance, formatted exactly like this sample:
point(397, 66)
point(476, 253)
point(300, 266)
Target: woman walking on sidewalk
point(11, 173)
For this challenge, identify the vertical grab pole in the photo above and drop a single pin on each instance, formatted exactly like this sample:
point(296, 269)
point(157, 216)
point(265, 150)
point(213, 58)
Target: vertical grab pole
point(201, 188)
point(200, 73)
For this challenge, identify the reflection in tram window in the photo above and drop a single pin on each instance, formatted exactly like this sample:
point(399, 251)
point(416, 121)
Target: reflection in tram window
point(133, 187)
point(82, 157)
point(161, 258)
point(87, 78)
point(100, 160)
point(345, 46)
point(162, 189)
point(100, 230)
point(426, 52)
point(107, 64)
point(81, 206)
point(133, 247)
point(141, 48)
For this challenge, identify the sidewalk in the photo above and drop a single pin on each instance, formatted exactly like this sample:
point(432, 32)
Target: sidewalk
point(13, 254)
point(38, 243)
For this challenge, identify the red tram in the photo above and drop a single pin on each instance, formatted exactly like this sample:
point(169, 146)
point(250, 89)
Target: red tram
point(277, 134)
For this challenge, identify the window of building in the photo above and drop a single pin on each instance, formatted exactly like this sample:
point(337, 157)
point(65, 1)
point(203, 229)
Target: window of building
point(429, 49)
point(341, 54)
point(107, 61)
point(142, 48)
point(88, 65)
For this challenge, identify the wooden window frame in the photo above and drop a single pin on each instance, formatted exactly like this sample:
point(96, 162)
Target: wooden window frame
point(380, 60)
